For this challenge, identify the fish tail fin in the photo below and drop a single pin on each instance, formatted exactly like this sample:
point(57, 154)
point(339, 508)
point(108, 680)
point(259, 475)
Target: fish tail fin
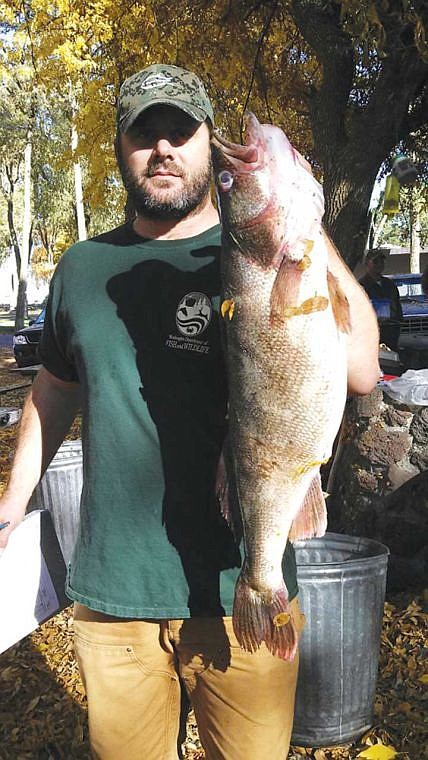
point(264, 616)
point(311, 519)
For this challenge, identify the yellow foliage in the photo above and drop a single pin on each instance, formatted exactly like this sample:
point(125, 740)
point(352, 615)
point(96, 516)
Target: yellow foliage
point(378, 752)
point(96, 44)
point(61, 244)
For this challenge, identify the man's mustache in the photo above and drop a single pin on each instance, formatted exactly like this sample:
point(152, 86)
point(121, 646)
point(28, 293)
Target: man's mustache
point(169, 166)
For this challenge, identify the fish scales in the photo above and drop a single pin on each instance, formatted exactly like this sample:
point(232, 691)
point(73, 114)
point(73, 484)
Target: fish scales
point(286, 363)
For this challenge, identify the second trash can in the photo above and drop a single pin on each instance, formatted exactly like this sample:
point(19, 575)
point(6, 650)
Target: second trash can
point(59, 491)
point(342, 583)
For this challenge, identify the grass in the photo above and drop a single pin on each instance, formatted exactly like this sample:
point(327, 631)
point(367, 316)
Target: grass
point(7, 320)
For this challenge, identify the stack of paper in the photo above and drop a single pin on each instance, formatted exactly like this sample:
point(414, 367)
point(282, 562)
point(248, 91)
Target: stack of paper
point(32, 577)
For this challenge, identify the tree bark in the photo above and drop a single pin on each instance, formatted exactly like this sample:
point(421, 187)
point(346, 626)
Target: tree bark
point(78, 189)
point(21, 303)
point(415, 239)
point(355, 130)
point(378, 230)
point(78, 185)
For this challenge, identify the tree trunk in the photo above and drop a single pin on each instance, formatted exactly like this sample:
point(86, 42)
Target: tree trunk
point(78, 185)
point(78, 189)
point(415, 239)
point(12, 231)
point(355, 131)
point(347, 199)
point(21, 303)
point(378, 230)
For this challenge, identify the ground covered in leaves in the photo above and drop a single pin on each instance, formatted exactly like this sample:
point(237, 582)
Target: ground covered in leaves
point(43, 706)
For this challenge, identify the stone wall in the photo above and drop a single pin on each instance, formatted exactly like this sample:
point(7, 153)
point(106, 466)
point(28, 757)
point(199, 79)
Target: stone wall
point(378, 482)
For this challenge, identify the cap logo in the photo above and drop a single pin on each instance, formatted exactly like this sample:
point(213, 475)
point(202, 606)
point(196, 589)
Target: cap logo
point(155, 80)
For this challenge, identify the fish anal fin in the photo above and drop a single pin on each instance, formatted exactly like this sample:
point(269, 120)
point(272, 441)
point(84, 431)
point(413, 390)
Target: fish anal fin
point(264, 617)
point(339, 304)
point(311, 519)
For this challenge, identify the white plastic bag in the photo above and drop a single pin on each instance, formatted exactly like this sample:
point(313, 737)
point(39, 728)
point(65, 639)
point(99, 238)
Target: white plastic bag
point(411, 388)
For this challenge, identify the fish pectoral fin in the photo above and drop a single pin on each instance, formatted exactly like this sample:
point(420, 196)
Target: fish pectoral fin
point(285, 290)
point(311, 519)
point(316, 303)
point(226, 493)
point(339, 304)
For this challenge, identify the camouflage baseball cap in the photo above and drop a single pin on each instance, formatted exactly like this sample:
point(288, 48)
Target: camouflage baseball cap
point(162, 84)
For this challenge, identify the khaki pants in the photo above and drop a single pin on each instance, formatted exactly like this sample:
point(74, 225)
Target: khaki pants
point(139, 674)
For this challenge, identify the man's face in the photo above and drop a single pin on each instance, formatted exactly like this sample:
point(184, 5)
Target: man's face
point(376, 266)
point(165, 163)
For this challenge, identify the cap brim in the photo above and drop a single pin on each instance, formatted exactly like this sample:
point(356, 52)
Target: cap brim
point(196, 113)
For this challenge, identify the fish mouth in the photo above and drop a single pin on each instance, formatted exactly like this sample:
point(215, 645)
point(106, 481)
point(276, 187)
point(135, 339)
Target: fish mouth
point(247, 157)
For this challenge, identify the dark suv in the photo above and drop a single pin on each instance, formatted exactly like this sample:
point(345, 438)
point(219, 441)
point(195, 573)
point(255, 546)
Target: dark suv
point(413, 341)
point(413, 302)
point(26, 342)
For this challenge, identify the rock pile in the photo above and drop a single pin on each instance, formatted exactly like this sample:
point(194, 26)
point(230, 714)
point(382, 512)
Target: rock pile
point(378, 482)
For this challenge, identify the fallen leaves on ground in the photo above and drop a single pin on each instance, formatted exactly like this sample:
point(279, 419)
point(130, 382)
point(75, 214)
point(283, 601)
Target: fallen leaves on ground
point(378, 752)
point(43, 705)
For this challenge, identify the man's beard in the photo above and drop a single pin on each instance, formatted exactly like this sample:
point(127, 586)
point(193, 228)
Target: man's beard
point(182, 202)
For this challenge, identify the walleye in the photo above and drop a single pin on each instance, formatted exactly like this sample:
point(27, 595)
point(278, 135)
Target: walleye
point(285, 319)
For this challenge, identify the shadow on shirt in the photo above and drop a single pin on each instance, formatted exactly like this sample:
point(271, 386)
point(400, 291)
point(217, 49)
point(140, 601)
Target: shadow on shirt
point(183, 382)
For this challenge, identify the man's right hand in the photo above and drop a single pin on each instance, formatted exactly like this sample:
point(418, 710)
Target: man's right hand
point(8, 514)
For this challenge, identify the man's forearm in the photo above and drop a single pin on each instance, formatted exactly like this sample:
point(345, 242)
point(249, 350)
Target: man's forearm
point(47, 415)
point(363, 339)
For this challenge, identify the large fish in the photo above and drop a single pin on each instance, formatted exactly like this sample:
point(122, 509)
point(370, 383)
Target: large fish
point(285, 320)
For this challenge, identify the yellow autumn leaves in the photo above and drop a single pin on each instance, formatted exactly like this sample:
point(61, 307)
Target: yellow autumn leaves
point(378, 752)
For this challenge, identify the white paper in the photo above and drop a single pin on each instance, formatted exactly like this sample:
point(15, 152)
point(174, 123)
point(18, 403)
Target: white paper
point(27, 594)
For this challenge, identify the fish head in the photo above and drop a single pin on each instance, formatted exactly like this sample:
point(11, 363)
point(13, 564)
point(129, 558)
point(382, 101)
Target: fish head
point(269, 200)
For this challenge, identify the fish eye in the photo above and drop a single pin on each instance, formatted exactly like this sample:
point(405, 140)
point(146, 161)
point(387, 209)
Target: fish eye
point(225, 180)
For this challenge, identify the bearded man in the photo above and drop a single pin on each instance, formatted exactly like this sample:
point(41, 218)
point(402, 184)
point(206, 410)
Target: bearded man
point(132, 335)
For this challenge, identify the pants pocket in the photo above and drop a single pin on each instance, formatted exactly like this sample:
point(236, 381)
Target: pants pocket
point(133, 695)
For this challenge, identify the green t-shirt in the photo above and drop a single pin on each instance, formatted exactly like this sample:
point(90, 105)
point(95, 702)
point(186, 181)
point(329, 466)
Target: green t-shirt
point(136, 323)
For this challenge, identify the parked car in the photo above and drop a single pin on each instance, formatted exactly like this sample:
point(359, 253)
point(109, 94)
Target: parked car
point(413, 302)
point(413, 341)
point(26, 342)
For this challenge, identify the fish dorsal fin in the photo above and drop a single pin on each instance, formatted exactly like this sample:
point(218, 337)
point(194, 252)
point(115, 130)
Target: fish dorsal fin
point(311, 519)
point(339, 303)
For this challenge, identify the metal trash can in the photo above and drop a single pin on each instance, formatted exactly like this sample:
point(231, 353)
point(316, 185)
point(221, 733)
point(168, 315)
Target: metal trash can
point(59, 491)
point(342, 583)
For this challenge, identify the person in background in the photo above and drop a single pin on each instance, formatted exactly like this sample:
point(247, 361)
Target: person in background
point(132, 335)
point(384, 296)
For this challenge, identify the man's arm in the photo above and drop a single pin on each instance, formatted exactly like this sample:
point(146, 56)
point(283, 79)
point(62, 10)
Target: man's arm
point(48, 412)
point(363, 340)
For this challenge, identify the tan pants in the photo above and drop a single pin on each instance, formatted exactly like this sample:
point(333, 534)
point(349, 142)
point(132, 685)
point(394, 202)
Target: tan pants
point(134, 672)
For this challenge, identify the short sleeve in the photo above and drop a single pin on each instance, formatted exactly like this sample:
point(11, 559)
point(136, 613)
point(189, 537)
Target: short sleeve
point(54, 346)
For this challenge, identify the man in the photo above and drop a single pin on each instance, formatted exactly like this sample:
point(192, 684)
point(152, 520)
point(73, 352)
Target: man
point(132, 334)
point(384, 296)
